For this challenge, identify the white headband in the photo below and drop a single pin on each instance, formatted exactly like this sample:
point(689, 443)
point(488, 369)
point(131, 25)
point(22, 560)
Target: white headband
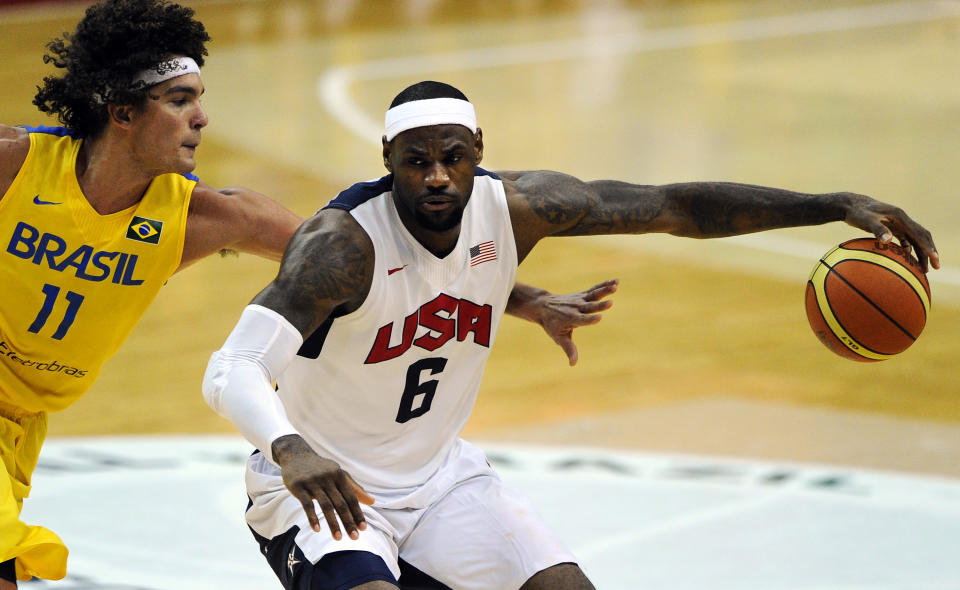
point(178, 65)
point(430, 111)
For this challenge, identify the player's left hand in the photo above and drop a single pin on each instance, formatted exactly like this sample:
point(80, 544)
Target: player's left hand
point(561, 314)
point(887, 222)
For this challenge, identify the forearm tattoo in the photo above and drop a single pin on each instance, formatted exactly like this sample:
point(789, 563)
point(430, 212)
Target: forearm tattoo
point(723, 209)
point(697, 209)
point(595, 208)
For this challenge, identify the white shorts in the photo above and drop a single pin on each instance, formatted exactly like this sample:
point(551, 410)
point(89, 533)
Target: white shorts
point(477, 534)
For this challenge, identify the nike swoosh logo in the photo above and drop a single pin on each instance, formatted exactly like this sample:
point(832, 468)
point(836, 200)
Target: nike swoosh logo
point(37, 201)
point(390, 271)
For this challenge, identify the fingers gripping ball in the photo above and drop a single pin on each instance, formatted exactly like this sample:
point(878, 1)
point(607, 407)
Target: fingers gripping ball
point(866, 300)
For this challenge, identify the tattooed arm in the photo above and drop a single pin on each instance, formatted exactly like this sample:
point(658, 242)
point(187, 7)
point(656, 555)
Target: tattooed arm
point(328, 267)
point(549, 203)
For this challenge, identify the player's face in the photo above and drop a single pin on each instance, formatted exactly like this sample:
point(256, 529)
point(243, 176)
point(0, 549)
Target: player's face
point(433, 170)
point(166, 131)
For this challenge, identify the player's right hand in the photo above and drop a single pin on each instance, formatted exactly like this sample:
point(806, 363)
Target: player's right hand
point(311, 477)
point(887, 222)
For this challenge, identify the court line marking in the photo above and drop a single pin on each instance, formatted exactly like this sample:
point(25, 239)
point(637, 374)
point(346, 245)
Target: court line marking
point(115, 462)
point(613, 542)
point(334, 84)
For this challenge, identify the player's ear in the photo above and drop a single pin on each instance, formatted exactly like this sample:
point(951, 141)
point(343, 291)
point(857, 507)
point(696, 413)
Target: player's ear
point(121, 114)
point(478, 145)
point(386, 154)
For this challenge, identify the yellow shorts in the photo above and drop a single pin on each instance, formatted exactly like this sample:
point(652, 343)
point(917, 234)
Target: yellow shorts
point(39, 552)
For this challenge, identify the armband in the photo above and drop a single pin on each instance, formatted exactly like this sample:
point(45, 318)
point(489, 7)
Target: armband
point(238, 383)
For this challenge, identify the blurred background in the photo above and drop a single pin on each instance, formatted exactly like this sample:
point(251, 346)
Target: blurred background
point(707, 347)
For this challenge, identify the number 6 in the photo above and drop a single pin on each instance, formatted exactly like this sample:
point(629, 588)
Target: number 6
point(415, 388)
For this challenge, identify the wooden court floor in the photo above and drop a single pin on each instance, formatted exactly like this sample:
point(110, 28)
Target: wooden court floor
point(707, 348)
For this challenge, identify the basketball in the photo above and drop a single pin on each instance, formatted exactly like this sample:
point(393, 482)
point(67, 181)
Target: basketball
point(866, 300)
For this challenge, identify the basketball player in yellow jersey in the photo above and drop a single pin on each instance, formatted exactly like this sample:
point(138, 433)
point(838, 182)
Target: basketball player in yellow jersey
point(95, 216)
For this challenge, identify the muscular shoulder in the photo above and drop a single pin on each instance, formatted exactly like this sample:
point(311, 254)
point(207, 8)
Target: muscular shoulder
point(330, 241)
point(14, 145)
point(543, 202)
point(545, 189)
point(327, 267)
point(17, 134)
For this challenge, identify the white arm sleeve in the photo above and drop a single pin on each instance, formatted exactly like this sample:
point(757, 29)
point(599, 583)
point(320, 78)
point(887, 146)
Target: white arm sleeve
point(239, 377)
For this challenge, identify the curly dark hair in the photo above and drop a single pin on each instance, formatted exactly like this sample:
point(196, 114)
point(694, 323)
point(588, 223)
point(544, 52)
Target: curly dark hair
point(115, 40)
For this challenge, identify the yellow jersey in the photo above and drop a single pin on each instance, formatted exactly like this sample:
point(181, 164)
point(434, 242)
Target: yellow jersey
point(73, 283)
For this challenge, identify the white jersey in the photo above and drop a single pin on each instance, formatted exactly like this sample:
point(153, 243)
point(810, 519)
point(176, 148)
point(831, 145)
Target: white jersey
point(386, 389)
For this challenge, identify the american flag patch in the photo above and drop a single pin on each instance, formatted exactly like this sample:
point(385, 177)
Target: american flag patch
point(484, 252)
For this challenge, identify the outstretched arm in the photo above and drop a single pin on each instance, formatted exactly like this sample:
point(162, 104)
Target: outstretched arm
point(237, 219)
point(245, 220)
point(549, 203)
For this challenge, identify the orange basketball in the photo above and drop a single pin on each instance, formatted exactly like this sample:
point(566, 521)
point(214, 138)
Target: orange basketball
point(866, 300)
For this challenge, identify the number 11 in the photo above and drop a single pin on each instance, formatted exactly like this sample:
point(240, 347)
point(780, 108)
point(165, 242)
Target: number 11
point(51, 292)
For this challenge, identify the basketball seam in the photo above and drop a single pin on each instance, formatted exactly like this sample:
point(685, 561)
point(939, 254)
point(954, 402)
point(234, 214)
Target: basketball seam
point(833, 322)
point(870, 301)
point(826, 322)
point(917, 283)
point(846, 331)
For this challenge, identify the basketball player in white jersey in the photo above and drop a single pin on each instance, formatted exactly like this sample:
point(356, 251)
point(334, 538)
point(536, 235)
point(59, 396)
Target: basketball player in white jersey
point(376, 332)
point(97, 215)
